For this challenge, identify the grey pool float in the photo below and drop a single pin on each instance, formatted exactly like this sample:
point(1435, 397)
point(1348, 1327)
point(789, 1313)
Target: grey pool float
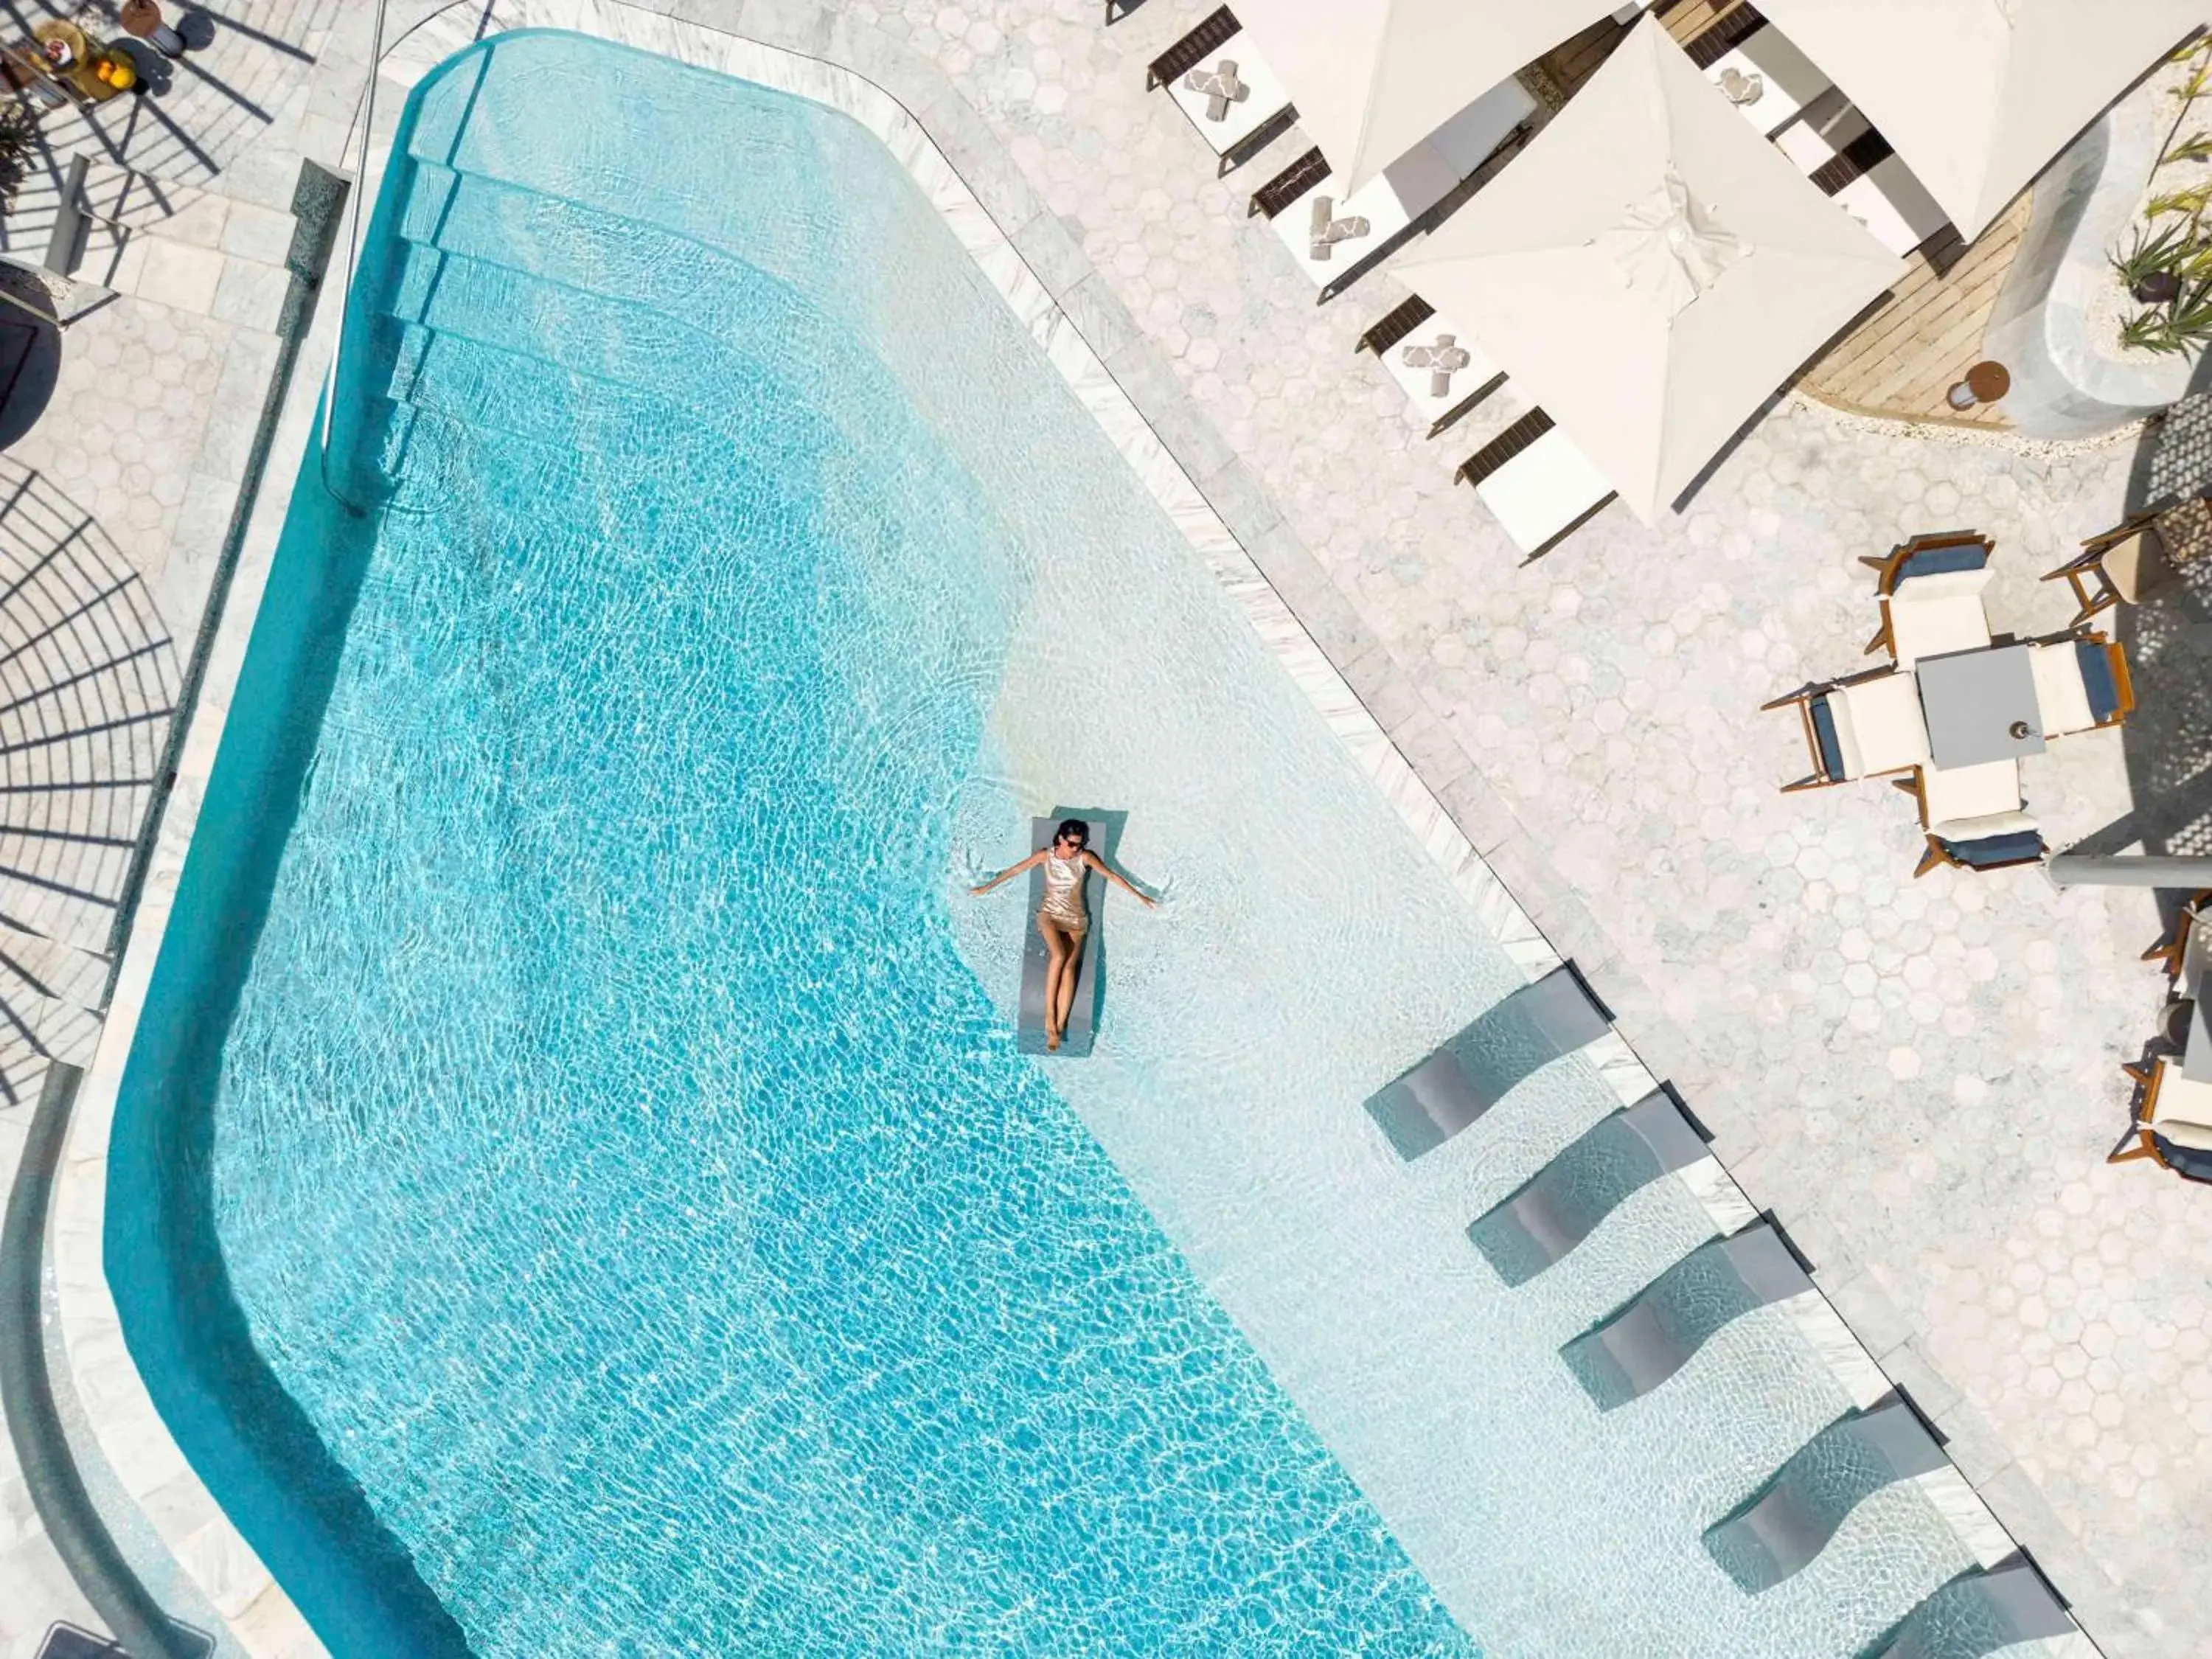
point(1090, 983)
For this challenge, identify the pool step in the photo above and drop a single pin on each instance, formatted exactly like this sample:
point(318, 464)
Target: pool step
point(560, 241)
point(618, 342)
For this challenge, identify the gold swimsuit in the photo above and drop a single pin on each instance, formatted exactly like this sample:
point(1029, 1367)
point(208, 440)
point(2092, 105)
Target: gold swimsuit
point(1063, 893)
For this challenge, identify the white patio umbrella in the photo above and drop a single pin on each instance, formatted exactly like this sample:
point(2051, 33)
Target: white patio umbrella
point(1372, 78)
point(1978, 95)
point(1650, 270)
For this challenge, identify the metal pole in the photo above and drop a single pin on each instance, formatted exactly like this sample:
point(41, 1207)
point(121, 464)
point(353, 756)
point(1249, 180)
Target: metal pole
point(2123, 870)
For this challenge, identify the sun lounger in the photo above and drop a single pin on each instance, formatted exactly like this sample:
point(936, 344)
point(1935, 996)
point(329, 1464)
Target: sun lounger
point(1855, 167)
point(1411, 344)
point(2080, 684)
point(1991, 1611)
point(1536, 482)
point(1425, 1106)
point(1636, 1349)
point(1396, 203)
point(1768, 80)
point(1236, 129)
point(1723, 35)
point(1811, 1495)
point(1620, 1154)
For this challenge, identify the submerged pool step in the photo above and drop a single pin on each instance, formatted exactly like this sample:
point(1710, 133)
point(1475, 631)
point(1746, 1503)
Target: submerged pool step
point(562, 240)
point(484, 385)
point(613, 340)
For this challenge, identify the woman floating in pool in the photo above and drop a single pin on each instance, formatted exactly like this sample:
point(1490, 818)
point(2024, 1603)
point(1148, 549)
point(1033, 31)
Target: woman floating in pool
point(1062, 919)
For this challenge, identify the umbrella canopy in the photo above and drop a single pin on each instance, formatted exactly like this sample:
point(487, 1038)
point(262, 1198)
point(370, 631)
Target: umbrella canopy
point(1372, 78)
point(1650, 270)
point(1977, 95)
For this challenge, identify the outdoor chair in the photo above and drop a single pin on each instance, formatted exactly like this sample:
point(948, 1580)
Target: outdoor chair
point(2183, 954)
point(1860, 728)
point(1536, 482)
point(2123, 566)
point(1973, 817)
point(2175, 1115)
point(2081, 685)
point(1442, 372)
point(1931, 593)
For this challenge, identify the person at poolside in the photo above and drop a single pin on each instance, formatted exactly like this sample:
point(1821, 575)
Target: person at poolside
point(1062, 919)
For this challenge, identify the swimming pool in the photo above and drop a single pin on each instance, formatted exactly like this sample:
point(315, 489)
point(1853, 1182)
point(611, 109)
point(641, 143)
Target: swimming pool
point(636, 1226)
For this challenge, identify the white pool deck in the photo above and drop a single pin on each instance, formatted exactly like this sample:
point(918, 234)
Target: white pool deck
point(1920, 1078)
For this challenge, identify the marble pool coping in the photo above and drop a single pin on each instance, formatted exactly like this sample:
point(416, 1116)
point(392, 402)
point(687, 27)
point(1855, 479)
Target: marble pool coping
point(1043, 276)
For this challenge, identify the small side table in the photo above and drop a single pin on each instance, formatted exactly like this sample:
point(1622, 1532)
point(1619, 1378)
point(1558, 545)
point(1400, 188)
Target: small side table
point(78, 76)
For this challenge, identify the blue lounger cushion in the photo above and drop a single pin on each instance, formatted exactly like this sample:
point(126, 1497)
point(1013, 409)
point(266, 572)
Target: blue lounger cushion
point(2016, 847)
point(2097, 679)
point(1934, 561)
point(1824, 733)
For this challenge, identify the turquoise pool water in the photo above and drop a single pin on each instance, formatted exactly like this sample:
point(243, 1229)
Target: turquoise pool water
point(576, 1189)
point(612, 1156)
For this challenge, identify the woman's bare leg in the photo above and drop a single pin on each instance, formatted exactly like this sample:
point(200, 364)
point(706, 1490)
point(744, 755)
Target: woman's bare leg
point(1057, 955)
point(1064, 999)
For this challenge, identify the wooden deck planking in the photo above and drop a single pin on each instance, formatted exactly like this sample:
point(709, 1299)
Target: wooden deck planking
point(1903, 358)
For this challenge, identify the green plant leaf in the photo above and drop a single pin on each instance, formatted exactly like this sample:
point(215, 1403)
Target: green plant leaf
point(2163, 248)
point(2197, 146)
point(2151, 331)
point(2189, 202)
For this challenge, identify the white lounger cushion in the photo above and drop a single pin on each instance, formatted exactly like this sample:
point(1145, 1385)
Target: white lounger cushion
point(2195, 950)
point(2180, 1102)
point(2060, 697)
point(1894, 206)
point(1943, 584)
point(1989, 824)
point(1955, 799)
point(1924, 624)
point(1543, 489)
point(1888, 732)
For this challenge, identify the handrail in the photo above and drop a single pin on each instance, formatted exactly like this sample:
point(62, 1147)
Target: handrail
point(366, 108)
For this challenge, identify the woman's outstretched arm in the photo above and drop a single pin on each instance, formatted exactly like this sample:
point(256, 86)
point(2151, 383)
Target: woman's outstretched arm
point(1010, 871)
point(1117, 878)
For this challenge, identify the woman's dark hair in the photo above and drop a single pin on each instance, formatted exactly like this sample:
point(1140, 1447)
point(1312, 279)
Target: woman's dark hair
point(1072, 828)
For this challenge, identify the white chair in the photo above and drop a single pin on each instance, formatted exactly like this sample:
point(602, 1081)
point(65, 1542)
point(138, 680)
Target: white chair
point(2174, 1109)
point(2062, 698)
point(1929, 616)
point(1860, 729)
point(2081, 684)
point(1967, 803)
